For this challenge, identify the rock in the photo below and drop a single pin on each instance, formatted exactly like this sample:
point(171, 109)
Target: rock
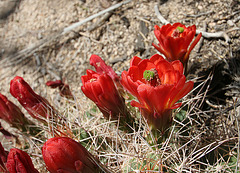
point(140, 45)
point(212, 24)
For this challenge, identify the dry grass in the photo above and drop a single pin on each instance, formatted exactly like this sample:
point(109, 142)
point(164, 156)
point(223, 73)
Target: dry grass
point(199, 140)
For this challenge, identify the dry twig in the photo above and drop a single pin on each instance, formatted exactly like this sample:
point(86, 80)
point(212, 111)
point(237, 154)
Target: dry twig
point(75, 25)
point(201, 39)
point(25, 53)
point(198, 15)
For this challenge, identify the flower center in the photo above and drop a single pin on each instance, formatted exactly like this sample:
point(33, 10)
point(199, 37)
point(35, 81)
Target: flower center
point(92, 80)
point(177, 32)
point(151, 77)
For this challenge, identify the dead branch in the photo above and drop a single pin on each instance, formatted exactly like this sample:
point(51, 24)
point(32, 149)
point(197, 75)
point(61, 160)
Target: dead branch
point(101, 20)
point(75, 25)
point(220, 34)
point(25, 53)
point(199, 45)
point(198, 15)
point(159, 15)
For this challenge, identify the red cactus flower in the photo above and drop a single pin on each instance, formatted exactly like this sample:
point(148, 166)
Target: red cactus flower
point(37, 106)
point(63, 88)
point(174, 41)
point(19, 161)
point(102, 91)
point(62, 154)
point(101, 67)
point(3, 158)
point(11, 113)
point(158, 85)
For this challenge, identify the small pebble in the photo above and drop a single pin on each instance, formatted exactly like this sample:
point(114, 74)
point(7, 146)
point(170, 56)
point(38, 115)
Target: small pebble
point(221, 21)
point(211, 25)
point(200, 7)
point(230, 23)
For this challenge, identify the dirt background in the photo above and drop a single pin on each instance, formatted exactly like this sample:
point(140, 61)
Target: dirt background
point(29, 46)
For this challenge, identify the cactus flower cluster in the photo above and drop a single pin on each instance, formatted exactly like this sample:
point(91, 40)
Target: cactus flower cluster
point(157, 83)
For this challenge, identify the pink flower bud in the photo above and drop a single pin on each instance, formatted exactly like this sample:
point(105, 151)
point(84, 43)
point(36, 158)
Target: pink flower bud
point(19, 161)
point(11, 113)
point(62, 154)
point(37, 106)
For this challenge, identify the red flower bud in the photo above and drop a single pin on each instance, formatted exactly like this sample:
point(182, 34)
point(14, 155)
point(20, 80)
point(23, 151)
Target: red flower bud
point(101, 67)
point(19, 161)
point(11, 113)
point(3, 158)
point(158, 85)
point(62, 154)
point(102, 91)
point(37, 106)
point(174, 41)
point(63, 88)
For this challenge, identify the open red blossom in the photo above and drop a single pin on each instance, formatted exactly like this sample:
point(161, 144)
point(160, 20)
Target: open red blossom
point(101, 90)
point(63, 88)
point(101, 67)
point(19, 161)
point(174, 41)
point(11, 113)
point(37, 106)
point(158, 85)
point(62, 154)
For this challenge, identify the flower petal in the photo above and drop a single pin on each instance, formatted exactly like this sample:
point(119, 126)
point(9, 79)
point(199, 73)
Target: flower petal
point(135, 61)
point(101, 67)
point(192, 46)
point(156, 58)
point(178, 66)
